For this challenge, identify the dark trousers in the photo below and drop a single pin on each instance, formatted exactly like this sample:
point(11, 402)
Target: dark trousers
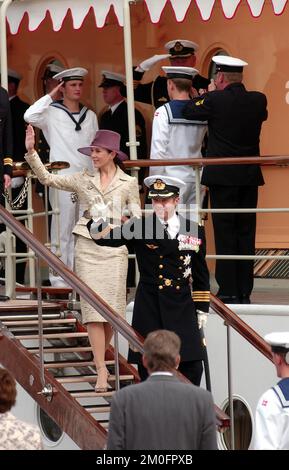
point(191, 369)
point(234, 234)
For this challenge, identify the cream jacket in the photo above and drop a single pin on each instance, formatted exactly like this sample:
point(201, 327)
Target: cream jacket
point(122, 192)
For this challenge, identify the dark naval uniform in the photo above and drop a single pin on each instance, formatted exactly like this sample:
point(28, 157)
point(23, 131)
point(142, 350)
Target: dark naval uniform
point(234, 117)
point(118, 122)
point(164, 299)
point(18, 108)
point(156, 92)
point(6, 141)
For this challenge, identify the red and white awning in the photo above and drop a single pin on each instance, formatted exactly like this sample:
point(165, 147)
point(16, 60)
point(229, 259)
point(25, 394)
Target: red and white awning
point(58, 9)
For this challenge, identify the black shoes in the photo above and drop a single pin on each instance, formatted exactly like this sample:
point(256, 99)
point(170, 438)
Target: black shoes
point(245, 299)
point(234, 299)
point(228, 299)
point(4, 297)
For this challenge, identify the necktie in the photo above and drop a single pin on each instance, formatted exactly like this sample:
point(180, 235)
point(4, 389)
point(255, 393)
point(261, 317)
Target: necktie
point(166, 225)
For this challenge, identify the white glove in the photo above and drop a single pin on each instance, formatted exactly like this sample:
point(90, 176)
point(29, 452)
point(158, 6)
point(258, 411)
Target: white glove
point(202, 319)
point(149, 63)
point(98, 209)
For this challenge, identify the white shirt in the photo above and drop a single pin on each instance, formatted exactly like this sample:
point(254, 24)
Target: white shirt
point(59, 131)
point(115, 106)
point(173, 227)
point(173, 141)
point(271, 423)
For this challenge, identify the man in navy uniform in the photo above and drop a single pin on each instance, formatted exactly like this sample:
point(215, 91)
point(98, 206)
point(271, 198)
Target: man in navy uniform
point(6, 147)
point(272, 413)
point(115, 118)
point(173, 290)
point(235, 117)
point(18, 108)
point(180, 52)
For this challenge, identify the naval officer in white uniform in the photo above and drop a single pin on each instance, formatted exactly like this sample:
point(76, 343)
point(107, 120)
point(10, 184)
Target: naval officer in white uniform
point(272, 413)
point(175, 137)
point(67, 125)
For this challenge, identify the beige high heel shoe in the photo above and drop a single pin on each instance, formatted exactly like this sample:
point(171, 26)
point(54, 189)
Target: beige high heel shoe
point(102, 378)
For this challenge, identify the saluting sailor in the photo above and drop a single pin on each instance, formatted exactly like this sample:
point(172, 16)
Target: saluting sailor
point(180, 52)
point(173, 290)
point(176, 137)
point(272, 413)
point(67, 125)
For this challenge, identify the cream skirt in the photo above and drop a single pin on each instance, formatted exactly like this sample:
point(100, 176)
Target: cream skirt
point(104, 270)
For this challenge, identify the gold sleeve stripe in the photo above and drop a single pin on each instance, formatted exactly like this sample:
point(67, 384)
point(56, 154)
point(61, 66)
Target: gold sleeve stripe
point(8, 161)
point(201, 297)
point(201, 292)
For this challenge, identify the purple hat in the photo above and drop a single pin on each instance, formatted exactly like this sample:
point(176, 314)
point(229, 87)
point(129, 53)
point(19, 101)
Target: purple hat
point(109, 140)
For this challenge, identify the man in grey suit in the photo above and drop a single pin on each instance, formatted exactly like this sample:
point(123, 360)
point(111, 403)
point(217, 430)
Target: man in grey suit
point(162, 413)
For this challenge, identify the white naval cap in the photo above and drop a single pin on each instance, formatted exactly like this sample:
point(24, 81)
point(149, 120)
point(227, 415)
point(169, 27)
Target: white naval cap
point(180, 72)
point(163, 186)
point(280, 339)
point(54, 68)
point(12, 74)
point(226, 63)
point(181, 47)
point(110, 79)
point(77, 73)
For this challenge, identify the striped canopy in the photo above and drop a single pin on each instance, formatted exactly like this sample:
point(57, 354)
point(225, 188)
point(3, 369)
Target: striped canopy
point(58, 9)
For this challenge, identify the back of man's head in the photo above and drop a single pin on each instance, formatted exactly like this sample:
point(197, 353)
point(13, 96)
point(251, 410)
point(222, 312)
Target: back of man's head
point(162, 351)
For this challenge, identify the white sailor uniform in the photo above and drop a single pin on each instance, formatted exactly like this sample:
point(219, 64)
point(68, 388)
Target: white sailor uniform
point(272, 418)
point(173, 137)
point(65, 133)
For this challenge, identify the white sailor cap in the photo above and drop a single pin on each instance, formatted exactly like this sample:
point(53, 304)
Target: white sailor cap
point(279, 340)
point(181, 47)
point(180, 72)
point(226, 63)
point(77, 73)
point(110, 79)
point(51, 70)
point(14, 76)
point(54, 68)
point(163, 186)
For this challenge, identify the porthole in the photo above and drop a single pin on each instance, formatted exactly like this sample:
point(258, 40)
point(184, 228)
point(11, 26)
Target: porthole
point(51, 431)
point(212, 66)
point(243, 425)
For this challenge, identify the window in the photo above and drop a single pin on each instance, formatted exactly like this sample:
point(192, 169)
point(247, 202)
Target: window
point(212, 66)
point(242, 425)
point(49, 428)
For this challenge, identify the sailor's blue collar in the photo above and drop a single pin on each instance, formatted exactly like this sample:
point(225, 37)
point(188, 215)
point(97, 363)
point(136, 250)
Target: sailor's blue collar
point(282, 392)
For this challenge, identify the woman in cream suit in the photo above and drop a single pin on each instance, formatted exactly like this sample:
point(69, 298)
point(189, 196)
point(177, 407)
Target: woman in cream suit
point(101, 270)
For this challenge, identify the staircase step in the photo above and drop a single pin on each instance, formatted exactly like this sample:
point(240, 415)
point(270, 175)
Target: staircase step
point(45, 316)
point(89, 378)
point(89, 393)
point(54, 336)
point(62, 350)
point(36, 322)
point(56, 365)
point(97, 408)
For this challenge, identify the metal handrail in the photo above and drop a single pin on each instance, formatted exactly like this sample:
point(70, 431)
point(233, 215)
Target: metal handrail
point(118, 323)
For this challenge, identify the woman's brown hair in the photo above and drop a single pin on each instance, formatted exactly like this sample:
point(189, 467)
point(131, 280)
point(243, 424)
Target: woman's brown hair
point(7, 391)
